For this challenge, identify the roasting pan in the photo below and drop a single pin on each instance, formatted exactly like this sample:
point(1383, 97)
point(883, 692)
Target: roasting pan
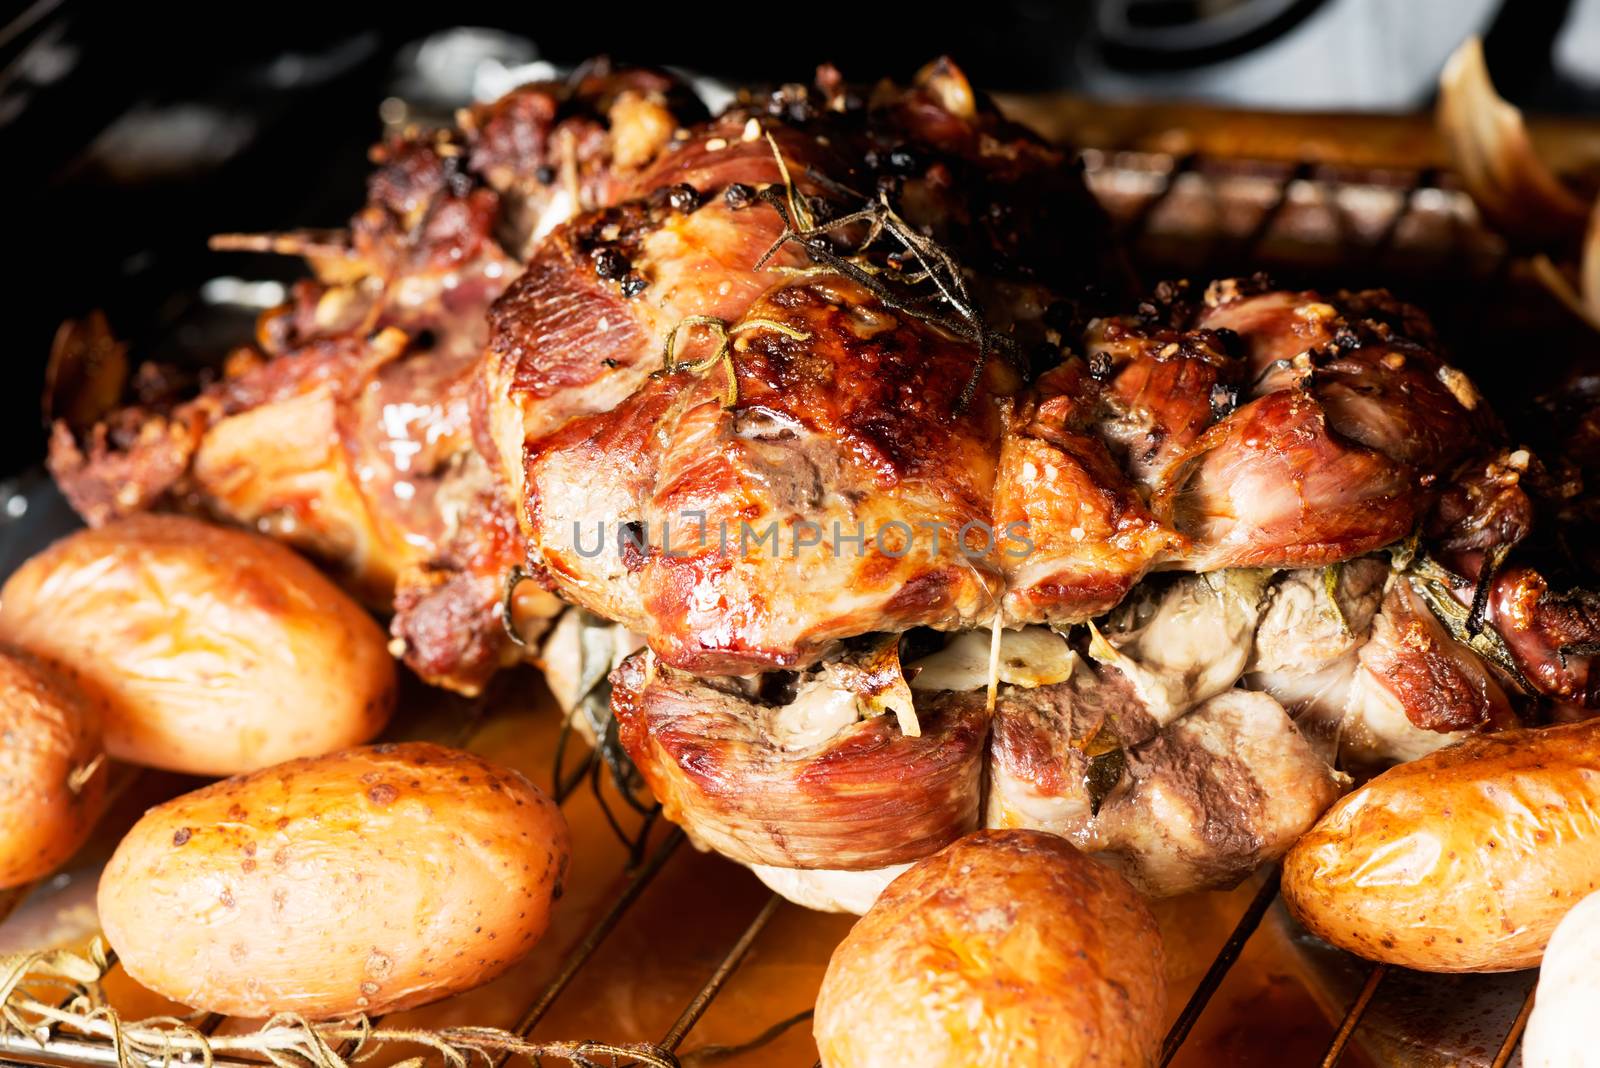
point(656, 943)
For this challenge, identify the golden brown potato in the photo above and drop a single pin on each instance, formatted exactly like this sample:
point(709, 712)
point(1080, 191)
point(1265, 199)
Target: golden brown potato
point(216, 651)
point(366, 881)
point(1462, 861)
point(1006, 949)
point(52, 768)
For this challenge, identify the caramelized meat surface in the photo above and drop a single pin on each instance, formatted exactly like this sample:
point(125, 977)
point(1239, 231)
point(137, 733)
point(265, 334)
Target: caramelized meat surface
point(805, 783)
point(829, 364)
point(349, 429)
point(1250, 429)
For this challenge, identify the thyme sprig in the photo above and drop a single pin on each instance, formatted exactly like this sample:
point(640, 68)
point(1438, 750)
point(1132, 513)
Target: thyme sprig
point(46, 994)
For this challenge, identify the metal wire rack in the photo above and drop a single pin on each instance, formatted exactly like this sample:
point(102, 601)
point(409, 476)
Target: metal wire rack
point(1176, 213)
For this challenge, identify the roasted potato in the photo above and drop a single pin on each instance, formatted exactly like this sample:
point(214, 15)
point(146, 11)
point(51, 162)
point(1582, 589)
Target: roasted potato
point(215, 651)
point(1561, 1029)
point(365, 881)
point(1462, 861)
point(52, 768)
point(1006, 948)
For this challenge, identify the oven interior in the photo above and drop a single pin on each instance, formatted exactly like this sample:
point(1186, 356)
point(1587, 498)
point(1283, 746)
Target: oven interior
point(657, 943)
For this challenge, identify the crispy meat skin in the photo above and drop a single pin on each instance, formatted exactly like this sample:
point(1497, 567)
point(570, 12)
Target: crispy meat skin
point(1247, 428)
point(851, 414)
point(1330, 424)
point(833, 431)
point(350, 429)
point(865, 797)
point(567, 340)
point(1092, 535)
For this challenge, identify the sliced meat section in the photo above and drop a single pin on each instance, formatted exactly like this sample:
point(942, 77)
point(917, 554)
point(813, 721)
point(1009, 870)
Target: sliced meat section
point(1200, 805)
point(804, 782)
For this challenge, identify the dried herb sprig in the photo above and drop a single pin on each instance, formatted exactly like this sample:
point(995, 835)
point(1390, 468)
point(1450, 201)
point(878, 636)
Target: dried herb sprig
point(1434, 583)
point(895, 289)
point(1493, 561)
point(33, 1008)
point(1330, 588)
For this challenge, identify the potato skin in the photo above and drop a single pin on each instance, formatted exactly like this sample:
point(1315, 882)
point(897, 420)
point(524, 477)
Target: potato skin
point(217, 651)
point(370, 881)
point(1560, 1030)
point(1462, 861)
point(52, 768)
point(1007, 948)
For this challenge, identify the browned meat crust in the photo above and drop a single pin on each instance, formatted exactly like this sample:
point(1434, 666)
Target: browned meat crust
point(1439, 683)
point(864, 797)
point(833, 430)
point(1092, 535)
point(871, 305)
point(349, 429)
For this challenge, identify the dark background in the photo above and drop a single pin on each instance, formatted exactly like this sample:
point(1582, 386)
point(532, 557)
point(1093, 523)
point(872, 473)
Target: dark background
point(129, 132)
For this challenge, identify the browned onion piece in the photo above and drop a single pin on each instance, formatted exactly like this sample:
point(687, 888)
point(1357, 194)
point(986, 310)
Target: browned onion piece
point(1489, 143)
point(1582, 299)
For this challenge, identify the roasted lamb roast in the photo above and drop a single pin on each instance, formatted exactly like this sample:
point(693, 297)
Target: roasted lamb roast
point(875, 505)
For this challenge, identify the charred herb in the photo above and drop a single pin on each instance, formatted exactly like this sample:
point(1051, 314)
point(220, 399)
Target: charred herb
point(1493, 560)
point(1434, 583)
point(597, 652)
point(1108, 762)
point(916, 265)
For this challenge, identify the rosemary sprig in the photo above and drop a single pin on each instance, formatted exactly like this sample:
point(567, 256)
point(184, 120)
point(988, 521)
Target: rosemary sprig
point(797, 205)
point(950, 308)
point(31, 1007)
